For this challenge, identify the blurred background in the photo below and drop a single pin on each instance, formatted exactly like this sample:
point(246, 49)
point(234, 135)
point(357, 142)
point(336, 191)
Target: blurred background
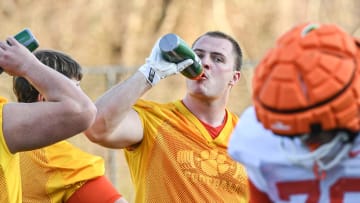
point(112, 38)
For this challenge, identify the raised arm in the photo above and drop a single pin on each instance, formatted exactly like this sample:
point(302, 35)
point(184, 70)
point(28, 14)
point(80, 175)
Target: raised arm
point(117, 124)
point(67, 111)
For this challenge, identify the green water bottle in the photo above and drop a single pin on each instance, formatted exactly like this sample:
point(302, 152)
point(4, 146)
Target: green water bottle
point(174, 49)
point(26, 38)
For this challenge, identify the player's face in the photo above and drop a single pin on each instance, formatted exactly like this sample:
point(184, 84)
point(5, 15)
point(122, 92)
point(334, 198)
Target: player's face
point(217, 58)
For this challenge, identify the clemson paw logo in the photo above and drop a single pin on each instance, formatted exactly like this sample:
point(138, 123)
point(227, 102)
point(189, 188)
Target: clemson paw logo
point(211, 160)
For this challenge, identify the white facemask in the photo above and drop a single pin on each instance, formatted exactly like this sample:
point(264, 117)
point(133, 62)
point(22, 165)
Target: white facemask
point(326, 156)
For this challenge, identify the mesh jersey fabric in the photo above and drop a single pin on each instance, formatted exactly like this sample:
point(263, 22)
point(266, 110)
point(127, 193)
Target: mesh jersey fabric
point(178, 161)
point(55, 172)
point(10, 182)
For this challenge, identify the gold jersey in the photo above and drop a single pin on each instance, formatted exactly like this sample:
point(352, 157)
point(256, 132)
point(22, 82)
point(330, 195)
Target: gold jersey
point(178, 160)
point(55, 172)
point(10, 181)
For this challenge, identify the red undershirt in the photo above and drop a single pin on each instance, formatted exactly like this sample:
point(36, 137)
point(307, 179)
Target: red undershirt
point(214, 131)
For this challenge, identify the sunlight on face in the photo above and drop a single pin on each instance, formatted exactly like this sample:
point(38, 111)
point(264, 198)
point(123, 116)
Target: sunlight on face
point(215, 52)
point(218, 60)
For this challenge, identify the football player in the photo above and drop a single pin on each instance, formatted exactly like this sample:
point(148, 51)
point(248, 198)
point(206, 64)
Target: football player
point(299, 141)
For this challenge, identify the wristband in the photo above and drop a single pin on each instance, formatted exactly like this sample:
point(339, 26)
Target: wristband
point(150, 74)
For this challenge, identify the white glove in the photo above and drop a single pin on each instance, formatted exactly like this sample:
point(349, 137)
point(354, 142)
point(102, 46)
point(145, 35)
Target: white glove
point(157, 68)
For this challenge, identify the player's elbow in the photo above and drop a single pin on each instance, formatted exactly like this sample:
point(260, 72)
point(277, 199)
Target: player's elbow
point(85, 114)
point(97, 132)
point(92, 136)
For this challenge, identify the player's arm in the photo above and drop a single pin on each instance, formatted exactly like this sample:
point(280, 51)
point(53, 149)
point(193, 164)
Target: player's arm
point(257, 196)
point(66, 112)
point(117, 125)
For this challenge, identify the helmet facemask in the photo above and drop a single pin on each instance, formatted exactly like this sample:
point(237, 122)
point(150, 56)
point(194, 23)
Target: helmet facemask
point(325, 151)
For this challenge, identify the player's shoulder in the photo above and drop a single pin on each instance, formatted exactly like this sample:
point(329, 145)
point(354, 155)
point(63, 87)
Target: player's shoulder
point(251, 142)
point(249, 130)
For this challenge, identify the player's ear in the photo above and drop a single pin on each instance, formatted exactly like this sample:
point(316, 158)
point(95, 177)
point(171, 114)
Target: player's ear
point(236, 77)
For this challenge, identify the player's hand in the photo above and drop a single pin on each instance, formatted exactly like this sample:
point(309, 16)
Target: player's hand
point(15, 59)
point(157, 68)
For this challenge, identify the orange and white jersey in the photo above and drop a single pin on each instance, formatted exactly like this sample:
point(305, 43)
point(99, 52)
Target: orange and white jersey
point(272, 173)
point(10, 181)
point(178, 160)
point(55, 172)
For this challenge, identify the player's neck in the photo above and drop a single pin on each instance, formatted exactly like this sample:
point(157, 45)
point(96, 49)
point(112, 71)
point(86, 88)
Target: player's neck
point(209, 112)
point(214, 131)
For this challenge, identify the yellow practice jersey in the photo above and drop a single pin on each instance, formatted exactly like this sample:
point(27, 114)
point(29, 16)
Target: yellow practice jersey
point(10, 181)
point(54, 173)
point(178, 160)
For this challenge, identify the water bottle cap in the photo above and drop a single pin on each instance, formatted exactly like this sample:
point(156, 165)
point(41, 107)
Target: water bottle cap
point(169, 42)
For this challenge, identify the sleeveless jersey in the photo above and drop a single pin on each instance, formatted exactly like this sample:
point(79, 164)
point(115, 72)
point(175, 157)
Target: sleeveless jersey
point(178, 161)
point(55, 172)
point(271, 171)
point(10, 181)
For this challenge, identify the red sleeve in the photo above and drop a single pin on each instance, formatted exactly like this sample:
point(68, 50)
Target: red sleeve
point(257, 196)
point(94, 191)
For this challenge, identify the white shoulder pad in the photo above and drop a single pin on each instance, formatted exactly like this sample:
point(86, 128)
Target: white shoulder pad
point(251, 142)
point(251, 145)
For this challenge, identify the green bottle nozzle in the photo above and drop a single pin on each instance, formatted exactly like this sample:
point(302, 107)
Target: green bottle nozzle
point(174, 49)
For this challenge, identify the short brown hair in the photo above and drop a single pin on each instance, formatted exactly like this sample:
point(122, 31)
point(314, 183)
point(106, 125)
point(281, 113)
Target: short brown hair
point(235, 44)
point(56, 60)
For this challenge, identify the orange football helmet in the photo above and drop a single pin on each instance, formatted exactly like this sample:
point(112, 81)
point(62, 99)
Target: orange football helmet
point(309, 82)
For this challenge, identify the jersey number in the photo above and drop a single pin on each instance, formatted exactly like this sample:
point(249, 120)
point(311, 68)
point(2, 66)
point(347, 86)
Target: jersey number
point(312, 189)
